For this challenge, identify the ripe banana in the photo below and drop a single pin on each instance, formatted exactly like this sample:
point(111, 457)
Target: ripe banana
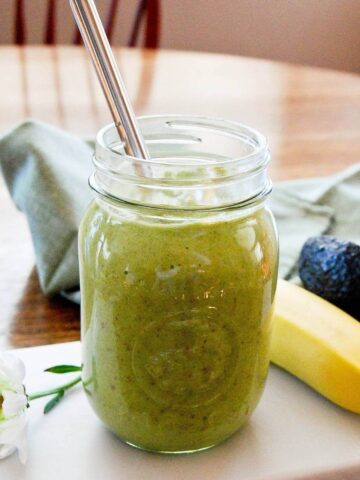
point(318, 343)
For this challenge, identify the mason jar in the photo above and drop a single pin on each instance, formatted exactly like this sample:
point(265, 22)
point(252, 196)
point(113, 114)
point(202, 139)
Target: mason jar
point(178, 269)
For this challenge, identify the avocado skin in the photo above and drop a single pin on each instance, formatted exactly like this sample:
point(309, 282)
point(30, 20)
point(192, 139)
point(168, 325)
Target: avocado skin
point(330, 268)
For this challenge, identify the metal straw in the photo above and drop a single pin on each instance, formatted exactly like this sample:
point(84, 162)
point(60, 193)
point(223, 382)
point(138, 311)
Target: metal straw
point(97, 44)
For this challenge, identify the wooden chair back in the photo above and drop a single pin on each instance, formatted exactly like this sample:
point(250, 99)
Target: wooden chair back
point(147, 11)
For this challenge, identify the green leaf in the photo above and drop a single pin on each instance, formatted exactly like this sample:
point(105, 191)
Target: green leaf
point(63, 369)
point(54, 401)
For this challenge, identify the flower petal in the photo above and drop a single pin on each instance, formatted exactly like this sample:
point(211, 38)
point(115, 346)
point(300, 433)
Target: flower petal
point(14, 403)
point(13, 419)
point(12, 369)
point(13, 436)
point(6, 451)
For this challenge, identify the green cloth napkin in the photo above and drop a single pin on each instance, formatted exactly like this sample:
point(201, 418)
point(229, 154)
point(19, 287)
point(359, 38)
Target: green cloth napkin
point(46, 171)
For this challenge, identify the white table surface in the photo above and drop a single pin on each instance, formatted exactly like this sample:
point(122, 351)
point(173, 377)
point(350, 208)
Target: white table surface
point(293, 430)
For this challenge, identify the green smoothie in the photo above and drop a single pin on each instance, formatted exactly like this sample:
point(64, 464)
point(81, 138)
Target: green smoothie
point(175, 321)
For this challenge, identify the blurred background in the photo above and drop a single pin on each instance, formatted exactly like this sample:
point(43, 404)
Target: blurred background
point(323, 33)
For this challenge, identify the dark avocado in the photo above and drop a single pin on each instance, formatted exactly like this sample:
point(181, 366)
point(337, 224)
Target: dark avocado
point(330, 268)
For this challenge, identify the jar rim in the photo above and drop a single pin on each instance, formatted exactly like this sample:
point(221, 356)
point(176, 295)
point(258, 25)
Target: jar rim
point(197, 162)
point(226, 127)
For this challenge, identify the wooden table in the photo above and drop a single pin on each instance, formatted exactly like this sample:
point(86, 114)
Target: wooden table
point(311, 116)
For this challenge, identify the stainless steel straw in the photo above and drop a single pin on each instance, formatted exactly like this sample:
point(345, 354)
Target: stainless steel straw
point(97, 44)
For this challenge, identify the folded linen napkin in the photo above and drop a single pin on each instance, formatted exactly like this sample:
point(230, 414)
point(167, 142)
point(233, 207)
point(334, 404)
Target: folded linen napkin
point(46, 171)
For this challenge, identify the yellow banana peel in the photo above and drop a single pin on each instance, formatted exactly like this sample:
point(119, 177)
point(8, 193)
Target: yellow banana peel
point(318, 343)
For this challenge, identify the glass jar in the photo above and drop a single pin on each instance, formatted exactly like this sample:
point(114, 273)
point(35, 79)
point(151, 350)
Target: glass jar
point(178, 269)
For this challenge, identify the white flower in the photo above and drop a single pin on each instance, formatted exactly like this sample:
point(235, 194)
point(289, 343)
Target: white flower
point(13, 406)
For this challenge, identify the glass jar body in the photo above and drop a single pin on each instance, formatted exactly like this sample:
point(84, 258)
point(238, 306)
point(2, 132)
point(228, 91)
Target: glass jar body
point(176, 320)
